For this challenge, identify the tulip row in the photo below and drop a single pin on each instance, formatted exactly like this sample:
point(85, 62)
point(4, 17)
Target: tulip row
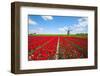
point(70, 48)
point(45, 52)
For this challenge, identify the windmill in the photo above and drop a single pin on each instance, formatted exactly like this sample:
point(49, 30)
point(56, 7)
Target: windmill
point(68, 30)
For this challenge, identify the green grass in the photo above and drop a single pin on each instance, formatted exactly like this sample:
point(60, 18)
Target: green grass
point(49, 34)
point(71, 35)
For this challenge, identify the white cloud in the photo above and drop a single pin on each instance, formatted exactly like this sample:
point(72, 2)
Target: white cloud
point(83, 19)
point(83, 22)
point(65, 28)
point(40, 29)
point(47, 17)
point(80, 27)
point(37, 30)
point(32, 22)
point(61, 29)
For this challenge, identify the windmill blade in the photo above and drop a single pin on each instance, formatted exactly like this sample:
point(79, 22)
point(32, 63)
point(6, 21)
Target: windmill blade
point(66, 29)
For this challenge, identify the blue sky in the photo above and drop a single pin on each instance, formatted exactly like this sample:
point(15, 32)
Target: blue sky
point(57, 24)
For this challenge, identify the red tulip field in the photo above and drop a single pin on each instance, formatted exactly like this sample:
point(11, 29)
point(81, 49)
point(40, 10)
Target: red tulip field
point(57, 47)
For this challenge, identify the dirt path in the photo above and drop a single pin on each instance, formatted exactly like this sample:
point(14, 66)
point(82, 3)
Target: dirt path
point(57, 52)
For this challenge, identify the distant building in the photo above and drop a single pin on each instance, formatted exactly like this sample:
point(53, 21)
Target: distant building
point(34, 33)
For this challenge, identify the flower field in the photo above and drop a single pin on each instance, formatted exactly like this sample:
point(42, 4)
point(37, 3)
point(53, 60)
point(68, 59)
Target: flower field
point(56, 47)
